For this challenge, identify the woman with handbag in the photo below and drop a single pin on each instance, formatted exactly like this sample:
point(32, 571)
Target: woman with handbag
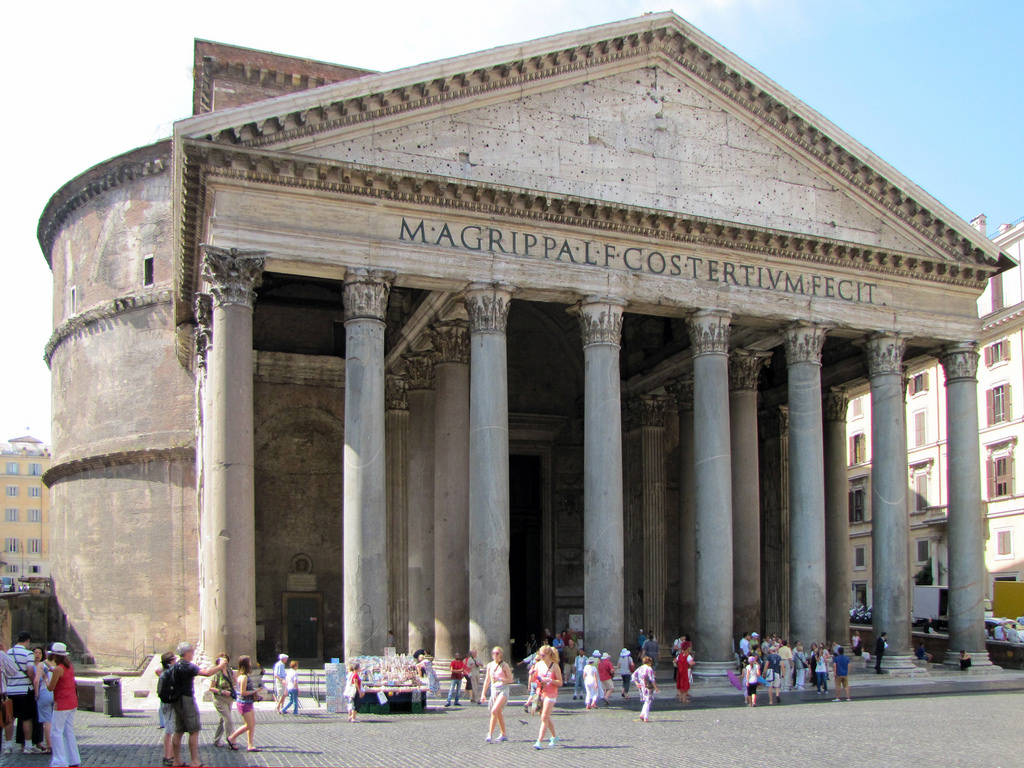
point(223, 691)
point(248, 694)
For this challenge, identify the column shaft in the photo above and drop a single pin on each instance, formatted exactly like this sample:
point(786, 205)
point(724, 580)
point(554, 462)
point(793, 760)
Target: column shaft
point(451, 489)
point(365, 571)
point(890, 526)
point(966, 525)
point(421, 501)
point(709, 335)
point(687, 510)
point(655, 565)
point(603, 615)
point(744, 369)
point(489, 587)
point(396, 432)
point(837, 526)
point(228, 547)
point(806, 484)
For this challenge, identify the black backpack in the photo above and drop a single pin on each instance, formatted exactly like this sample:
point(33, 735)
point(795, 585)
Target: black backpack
point(167, 688)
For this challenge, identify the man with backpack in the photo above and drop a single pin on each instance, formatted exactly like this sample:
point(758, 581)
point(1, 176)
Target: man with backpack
point(176, 688)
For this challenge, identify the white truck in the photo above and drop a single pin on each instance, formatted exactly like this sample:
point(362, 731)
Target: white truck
point(930, 603)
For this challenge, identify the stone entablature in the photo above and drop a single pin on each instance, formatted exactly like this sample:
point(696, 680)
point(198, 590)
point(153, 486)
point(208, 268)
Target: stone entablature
point(656, 39)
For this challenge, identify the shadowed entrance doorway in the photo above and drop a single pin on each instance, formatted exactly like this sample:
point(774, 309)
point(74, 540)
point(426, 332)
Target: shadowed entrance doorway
point(526, 550)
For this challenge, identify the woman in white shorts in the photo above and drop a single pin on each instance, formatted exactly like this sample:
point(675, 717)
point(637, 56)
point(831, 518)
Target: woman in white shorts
point(499, 675)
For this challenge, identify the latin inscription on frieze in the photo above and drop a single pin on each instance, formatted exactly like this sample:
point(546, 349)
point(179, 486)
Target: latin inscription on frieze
point(638, 259)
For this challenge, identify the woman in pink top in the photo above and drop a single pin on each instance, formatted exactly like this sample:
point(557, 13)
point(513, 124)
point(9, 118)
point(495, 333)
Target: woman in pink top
point(499, 674)
point(65, 702)
point(549, 680)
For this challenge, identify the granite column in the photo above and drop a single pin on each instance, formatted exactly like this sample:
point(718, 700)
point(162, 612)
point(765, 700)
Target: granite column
point(489, 585)
point(965, 527)
point(419, 367)
point(228, 529)
point(806, 484)
point(837, 525)
point(709, 339)
point(396, 435)
point(682, 390)
point(655, 565)
point(365, 566)
point(451, 488)
point(744, 371)
point(603, 585)
point(890, 524)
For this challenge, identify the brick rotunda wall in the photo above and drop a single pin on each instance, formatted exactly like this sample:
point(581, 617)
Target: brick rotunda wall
point(123, 478)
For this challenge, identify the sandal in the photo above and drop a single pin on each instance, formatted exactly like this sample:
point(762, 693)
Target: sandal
point(168, 761)
point(232, 746)
point(253, 749)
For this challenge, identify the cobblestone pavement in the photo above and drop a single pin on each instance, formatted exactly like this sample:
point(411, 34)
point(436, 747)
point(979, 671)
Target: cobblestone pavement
point(909, 725)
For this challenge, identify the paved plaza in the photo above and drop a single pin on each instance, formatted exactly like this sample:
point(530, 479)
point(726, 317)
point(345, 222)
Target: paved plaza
point(933, 722)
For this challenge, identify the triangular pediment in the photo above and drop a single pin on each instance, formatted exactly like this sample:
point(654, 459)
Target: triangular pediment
point(647, 112)
point(645, 138)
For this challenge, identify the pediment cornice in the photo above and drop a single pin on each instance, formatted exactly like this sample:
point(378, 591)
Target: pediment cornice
point(206, 163)
point(664, 38)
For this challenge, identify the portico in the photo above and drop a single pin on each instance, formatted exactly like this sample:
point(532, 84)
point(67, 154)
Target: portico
point(527, 309)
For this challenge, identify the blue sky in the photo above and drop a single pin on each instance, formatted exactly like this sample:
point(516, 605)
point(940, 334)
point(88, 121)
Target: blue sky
point(931, 87)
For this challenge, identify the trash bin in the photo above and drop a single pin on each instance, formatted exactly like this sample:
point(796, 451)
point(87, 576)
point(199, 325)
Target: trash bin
point(112, 696)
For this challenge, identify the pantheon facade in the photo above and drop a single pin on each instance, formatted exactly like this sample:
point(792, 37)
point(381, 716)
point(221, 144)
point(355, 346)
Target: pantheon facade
point(553, 334)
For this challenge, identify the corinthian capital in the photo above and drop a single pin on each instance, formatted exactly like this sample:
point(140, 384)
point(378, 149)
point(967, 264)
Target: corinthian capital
point(601, 320)
point(709, 332)
point(451, 341)
point(419, 370)
point(233, 275)
point(804, 342)
point(487, 307)
point(960, 361)
point(745, 368)
point(366, 294)
point(651, 410)
point(885, 354)
point(682, 390)
point(395, 389)
point(835, 404)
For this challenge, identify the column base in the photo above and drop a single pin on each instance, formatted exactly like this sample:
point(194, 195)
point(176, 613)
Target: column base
point(901, 665)
point(980, 662)
point(713, 668)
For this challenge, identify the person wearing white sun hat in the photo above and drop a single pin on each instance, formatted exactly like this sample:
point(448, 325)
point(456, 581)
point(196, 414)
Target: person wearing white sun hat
point(65, 702)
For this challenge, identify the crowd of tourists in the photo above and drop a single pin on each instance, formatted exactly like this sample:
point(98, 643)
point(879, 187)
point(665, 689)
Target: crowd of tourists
point(38, 701)
point(39, 694)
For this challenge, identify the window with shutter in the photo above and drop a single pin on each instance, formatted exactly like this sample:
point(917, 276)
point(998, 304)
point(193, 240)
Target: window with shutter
point(996, 281)
point(920, 428)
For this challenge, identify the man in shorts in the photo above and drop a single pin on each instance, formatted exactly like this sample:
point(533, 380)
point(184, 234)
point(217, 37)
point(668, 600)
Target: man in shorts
point(22, 694)
point(841, 669)
point(186, 713)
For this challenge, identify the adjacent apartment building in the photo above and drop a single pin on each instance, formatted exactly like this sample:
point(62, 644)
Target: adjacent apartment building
point(25, 527)
point(1001, 431)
